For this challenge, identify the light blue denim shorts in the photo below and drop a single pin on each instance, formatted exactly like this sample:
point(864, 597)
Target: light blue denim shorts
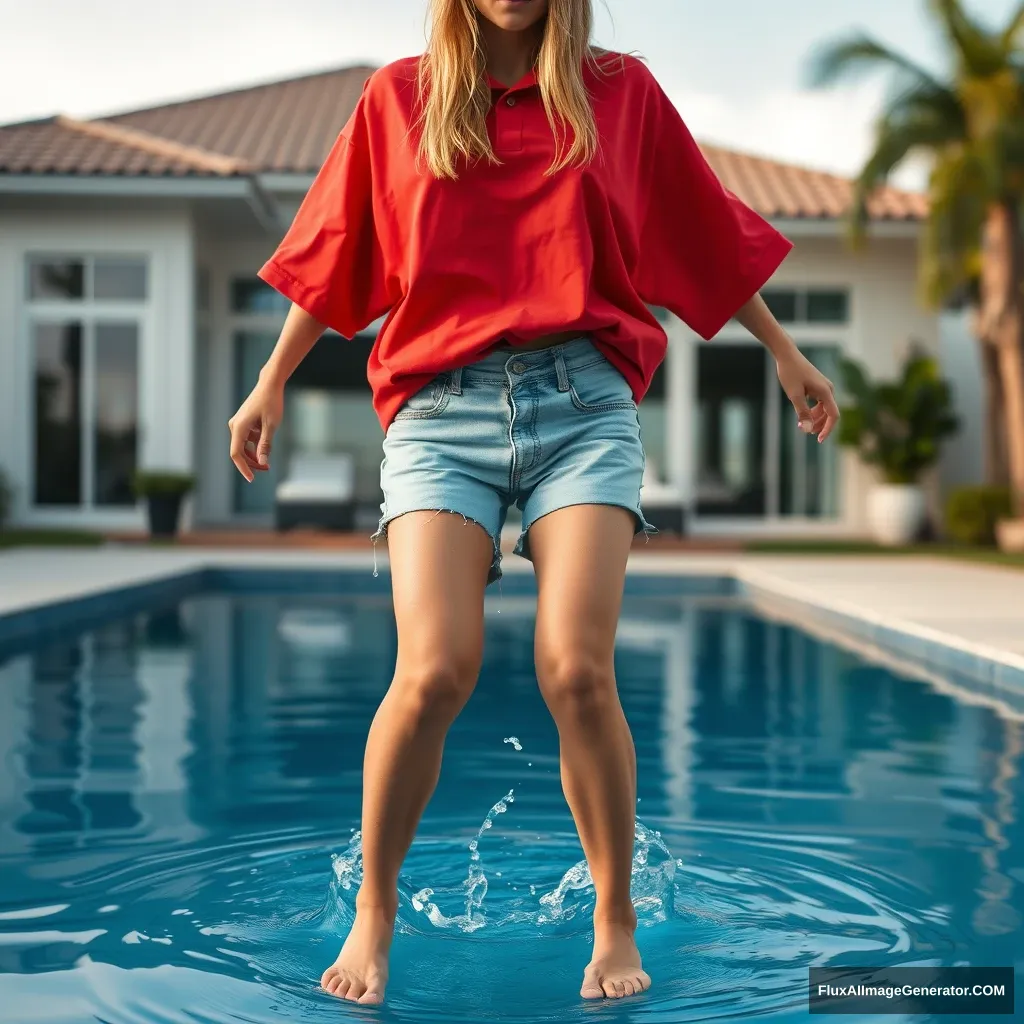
point(542, 430)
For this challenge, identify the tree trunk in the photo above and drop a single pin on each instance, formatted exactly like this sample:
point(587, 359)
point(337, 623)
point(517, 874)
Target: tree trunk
point(997, 473)
point(1001, 319)
point(994, 423)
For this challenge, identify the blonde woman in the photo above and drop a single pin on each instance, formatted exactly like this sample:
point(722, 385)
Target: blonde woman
point(515, 201)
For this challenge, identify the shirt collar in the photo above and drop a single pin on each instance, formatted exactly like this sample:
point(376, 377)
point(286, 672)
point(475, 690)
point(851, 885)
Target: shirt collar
point(528, 80)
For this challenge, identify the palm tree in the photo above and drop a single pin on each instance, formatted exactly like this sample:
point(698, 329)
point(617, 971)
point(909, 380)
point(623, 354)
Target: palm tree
point(970, 123)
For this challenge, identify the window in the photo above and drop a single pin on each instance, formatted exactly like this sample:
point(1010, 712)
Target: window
point(814, 305)
point(782, 304)
point(58, 393)
point(827, 307)
point(119, 279)
point(85, 330)
point(56, 279)
point(251, 295)
point(103, 278)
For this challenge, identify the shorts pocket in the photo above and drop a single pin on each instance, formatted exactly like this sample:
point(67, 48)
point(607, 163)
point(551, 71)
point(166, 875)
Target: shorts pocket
point(599, 387)
point(430, 401)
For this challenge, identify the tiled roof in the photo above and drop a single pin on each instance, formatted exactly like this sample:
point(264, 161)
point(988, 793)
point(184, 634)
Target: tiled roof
point(289, 126)
point(782, 190)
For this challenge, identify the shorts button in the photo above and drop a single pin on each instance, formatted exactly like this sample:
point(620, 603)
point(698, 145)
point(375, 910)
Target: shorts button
point(511, 101)
point(518, 367)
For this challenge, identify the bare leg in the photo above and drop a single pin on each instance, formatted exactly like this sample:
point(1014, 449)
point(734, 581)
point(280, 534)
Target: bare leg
point(580, 558)
point(439, 568)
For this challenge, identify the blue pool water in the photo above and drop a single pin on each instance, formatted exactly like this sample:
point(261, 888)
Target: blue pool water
point(180, 792)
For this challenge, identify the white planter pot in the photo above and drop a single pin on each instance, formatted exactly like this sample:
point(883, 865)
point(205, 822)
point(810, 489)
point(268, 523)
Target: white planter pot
point(895, 513)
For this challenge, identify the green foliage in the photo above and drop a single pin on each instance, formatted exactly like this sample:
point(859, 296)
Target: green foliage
point(898, 425)
point(6, 498)
point(165, 484)
point(969, 122)
point(972, 514)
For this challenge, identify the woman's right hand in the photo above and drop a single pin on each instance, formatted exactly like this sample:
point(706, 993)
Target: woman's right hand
point(252, 428)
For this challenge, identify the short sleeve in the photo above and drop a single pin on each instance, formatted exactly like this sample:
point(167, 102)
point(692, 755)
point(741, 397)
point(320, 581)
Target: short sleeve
point(702, 252)
point(330, 261)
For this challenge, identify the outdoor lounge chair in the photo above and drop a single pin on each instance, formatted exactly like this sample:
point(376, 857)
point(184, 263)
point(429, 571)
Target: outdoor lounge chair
point(318, 492)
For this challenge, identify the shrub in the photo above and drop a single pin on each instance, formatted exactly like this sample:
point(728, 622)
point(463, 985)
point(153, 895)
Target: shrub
point(972, 513)
point(899, 425)
point(165, 484)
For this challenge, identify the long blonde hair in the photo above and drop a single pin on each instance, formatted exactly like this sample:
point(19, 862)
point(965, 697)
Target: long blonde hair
point(455, 98)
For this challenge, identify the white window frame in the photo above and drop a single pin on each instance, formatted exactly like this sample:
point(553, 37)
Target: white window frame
point(88, 312)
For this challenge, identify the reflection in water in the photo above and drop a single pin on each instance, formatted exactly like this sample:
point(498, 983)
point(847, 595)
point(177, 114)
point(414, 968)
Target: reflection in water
point(175, 784)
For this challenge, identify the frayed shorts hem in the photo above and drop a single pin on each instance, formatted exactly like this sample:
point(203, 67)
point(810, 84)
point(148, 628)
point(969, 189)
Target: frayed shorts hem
point(493, 573)
point(522, 547)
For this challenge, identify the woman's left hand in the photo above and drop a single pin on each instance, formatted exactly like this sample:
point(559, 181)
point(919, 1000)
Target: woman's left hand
point(802, 380)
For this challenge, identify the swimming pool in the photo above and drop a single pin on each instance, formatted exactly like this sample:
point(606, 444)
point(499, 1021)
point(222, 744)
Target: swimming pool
point(180, 793)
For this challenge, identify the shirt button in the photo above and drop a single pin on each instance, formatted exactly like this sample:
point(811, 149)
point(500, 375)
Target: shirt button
point(518, 367)
point(511, 101)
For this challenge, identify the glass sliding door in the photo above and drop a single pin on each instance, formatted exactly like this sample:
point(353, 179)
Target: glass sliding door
point(116, 413)
point(752, 460)
point(86, 316)
point(730, 430)
point(58, 413)
point(86, 413)
point(252, 349)
point(808, 473)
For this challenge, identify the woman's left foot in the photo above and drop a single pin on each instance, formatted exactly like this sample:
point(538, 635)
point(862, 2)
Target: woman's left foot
point(615, 970)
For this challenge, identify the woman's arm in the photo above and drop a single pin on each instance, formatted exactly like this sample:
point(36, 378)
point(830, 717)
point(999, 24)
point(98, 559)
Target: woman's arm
point(252, 427)
point(799, 377)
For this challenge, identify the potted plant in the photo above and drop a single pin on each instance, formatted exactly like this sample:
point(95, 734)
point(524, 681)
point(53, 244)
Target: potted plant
point(164, 492)
point(897, 426)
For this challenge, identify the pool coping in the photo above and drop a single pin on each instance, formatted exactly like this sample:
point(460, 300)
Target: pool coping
point(167, 577)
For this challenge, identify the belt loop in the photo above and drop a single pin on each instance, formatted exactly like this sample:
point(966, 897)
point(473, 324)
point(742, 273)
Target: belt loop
point(456, 381)
point(560, 370)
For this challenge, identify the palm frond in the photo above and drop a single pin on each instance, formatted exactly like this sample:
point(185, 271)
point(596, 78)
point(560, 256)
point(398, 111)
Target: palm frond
point(1013, 34)
point(919, 120)
point(961, 184)
point(860, 54)
point(978, 50)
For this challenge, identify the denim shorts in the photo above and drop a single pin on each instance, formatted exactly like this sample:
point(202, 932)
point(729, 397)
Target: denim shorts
point(542, 429)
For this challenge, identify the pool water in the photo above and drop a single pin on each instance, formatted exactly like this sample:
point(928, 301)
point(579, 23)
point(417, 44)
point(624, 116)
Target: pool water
point(179, 806)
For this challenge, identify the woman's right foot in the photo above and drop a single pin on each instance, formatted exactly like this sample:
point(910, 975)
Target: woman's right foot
point(361, 971)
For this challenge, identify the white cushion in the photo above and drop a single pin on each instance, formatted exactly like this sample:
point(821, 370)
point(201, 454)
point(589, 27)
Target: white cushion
point(326, 478)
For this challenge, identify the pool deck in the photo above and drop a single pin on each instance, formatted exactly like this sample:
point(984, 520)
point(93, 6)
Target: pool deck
point(965, 619)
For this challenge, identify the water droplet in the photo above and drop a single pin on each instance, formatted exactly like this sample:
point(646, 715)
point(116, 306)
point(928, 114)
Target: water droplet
point(514, 741)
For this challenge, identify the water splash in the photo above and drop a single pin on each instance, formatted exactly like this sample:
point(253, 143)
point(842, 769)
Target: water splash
point(514, 741)
point(572, 899)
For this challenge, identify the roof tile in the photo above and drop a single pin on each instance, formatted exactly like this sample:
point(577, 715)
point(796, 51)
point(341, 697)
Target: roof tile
point(290, 126)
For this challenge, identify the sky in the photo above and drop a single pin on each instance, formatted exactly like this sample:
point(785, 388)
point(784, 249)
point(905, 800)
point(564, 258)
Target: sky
point(736, 69)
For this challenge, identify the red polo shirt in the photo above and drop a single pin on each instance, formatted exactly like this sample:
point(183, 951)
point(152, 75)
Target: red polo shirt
point(509, 252)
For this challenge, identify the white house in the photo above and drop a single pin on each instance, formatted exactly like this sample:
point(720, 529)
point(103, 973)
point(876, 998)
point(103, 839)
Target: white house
point(132, 323)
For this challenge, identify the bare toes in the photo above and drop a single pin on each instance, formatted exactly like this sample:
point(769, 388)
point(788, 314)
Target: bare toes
point(355, 990)
point(372, 996)
point(591, 987)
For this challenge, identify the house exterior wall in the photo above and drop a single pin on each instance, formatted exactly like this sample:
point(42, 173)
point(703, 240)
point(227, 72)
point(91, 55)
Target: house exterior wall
point(188, 387)
point(166, 345)
point(219, 259)
point(885, 317)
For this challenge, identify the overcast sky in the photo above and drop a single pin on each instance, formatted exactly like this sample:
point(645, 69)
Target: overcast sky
point(735, 68)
